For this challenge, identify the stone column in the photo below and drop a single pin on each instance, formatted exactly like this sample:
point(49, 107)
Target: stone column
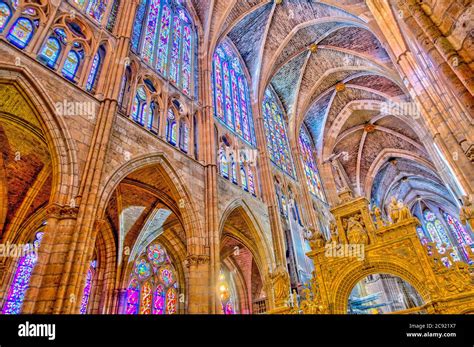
point(44, 290)
point(82, 244)
point(208, 155)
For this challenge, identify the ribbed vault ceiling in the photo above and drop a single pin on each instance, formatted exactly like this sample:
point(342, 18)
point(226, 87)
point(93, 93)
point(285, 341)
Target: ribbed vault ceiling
point(274, 41)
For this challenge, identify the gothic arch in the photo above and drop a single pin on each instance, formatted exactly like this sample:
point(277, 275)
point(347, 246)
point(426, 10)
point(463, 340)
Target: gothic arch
point(192, 227)
point(256, 231)
point(383, 157)
point(57, 137)
point(351, 275)
point(251, 238)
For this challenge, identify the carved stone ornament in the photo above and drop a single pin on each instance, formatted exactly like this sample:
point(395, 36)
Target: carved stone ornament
point(62, 212)
point(195, 259)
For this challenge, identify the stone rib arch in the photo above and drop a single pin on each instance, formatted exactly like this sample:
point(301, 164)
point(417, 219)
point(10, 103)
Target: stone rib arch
point(358, 271)
point(191, 223)
point(383, 157)
point(62, 149)
point(252, 239)
point(252, 223)
point(267, 74)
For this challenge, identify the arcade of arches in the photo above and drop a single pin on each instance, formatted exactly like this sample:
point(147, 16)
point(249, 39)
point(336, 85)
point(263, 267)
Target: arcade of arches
point(236, 157)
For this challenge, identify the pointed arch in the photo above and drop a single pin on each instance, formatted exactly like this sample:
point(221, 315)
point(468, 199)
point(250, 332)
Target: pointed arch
point(179, 192)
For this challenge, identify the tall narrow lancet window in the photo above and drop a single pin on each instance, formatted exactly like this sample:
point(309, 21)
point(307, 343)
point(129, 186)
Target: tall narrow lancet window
point(125, 88)
point(437, 233)
point(243, 177)
point(151, 115)
point(50, 52)
point(52, 48)
point(233, 168)
point(461, 235)
point(163, 35)
point(184, 136)
point(138, 25)
point(171, 131)
point(88, 287)
point(95, 70)
point(309, 164)
point(113, 16)
point(21, 279)
point(5, 15)
point(73, 60)
point(275, 132)
point(223, 163)
point(21, 32)
point(139, 107)
point(153, 285)
point(231, 93)
point(251, 179)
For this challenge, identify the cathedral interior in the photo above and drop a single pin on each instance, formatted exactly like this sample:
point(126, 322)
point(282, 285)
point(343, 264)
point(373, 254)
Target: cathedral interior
point(236, 156)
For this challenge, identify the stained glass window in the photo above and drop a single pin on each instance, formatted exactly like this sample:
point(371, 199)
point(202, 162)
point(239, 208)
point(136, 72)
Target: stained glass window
point(21, 279)
point(167, 40)
point(88, 287)
point(251, 179)
point(437, 233)
point(139, 106)
point(150, 31)
point(227, 294)
point(21, 32)
point(309, 164)
point(243, 177)
point(175, 49)
point(223, 163)
point(92, 79)
point(275, 132)
point(50, 52)
point(153, 286)
point(163, 42)
point(133, 296)
point(184, 136)
point(113, 15)
point(138, 25)
point(96, 9)
point(461, 235)
point(151, 115)
point(230, 93)
point(71, 65)
point(233, 168)
point(171, 132)
point(5, 15)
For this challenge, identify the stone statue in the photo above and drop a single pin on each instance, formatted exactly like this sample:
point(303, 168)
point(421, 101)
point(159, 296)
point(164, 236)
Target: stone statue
point(379, 222)
point(294, 298)
point(467, 212)
point(355, 232)
point(334, 234)
point(394, 210)
point(404, 212)
point(281, 286)
point(316, 239)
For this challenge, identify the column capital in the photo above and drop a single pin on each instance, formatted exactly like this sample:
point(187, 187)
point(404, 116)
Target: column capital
point(62, 212)
point(196, 259)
